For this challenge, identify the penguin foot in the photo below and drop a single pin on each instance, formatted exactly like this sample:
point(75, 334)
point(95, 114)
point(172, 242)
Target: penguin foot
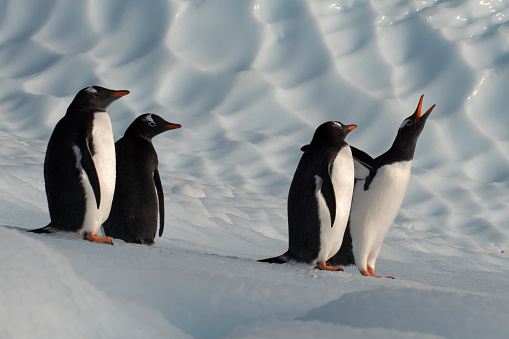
point(98, 239)
point(323, 266)
point(370, 272)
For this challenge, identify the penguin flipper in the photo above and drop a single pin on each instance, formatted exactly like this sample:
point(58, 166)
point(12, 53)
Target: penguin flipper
point(363, 163)
point(304, 148)
point(160, 198)
point(87, 163)
point(327, 190)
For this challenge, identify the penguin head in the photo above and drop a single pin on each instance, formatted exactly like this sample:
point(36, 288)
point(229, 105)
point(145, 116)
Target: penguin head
point(409, 131)
point(149, 125)
point(412, 126)
point(331, 133)
point(96, 98)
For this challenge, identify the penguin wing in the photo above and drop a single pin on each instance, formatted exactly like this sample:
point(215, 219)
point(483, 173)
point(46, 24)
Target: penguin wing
point(160, 198)
point(363, 163)
point(304, 148)
point(327, 190)
point(87, 163)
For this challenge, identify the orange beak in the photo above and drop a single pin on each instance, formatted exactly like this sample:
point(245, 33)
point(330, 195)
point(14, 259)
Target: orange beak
point(352, 127)
point(120, 93)
point(173, 126)
point(419, 115)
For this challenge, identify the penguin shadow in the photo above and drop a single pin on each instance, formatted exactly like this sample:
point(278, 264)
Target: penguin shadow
point(18, 228)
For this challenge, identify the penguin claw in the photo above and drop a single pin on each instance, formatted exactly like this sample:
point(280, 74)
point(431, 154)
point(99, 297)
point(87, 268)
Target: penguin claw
point(323, 266)
point(97, 239)
point(370, 272)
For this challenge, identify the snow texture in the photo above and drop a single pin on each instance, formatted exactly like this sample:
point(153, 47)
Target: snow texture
point(250, 81)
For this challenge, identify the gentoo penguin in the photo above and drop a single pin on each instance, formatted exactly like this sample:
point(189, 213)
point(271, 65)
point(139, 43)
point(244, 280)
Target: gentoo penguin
point(138, 191)
point(380, 186)
point(79, 167)
point(319, 198)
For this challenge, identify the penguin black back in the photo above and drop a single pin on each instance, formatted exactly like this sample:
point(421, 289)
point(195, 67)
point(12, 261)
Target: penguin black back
point(139, 192)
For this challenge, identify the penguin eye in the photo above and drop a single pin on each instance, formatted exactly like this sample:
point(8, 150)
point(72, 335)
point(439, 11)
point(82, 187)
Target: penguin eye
point(151, 124)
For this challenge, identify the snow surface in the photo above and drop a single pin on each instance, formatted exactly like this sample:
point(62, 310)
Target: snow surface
point(250, 81)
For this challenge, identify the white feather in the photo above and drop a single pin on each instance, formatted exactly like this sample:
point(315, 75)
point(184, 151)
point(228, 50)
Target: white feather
point(148, 118)
point(373, 211)
point(361, 171)
point(342, 177)
point(104, 161)
point(77, 153)
point(91, 89)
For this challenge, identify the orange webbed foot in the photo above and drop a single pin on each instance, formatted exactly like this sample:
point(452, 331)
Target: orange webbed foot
point(323, 266)
point(98, 239)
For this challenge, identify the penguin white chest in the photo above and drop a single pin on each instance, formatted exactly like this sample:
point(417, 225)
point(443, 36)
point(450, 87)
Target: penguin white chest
point(105, 165)
point(374, 210)
point(342, 178)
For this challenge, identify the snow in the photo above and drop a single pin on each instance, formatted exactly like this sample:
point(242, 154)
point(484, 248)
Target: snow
point(250, 81)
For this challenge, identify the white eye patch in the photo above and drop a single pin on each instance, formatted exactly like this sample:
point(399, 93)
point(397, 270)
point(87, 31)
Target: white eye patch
point(149, 120)
point(91, 90)
point(406, 122)
point(338, 124)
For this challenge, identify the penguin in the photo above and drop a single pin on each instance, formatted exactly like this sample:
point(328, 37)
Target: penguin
point(79, 166)
point(138, 192)
point(380, 186)
point(319, 198)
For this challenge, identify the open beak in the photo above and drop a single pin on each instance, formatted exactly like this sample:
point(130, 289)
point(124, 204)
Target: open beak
point(119, 93)
point(173, 126)
point(419, 115)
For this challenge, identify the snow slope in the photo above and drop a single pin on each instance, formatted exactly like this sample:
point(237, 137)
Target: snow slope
point(250, 81)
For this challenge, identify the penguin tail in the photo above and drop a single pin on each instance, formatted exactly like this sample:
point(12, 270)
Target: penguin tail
point(280, 259)
point(46, 229)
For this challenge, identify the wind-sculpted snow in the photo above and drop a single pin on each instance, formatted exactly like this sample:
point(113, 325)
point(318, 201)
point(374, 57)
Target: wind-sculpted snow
point(48, 300)
point(250, 81)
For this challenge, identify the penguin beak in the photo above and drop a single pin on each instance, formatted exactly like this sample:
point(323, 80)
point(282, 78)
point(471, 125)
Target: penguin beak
point(351, 127)
point(173, 126)
point(418, 110)
point(119, 93)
